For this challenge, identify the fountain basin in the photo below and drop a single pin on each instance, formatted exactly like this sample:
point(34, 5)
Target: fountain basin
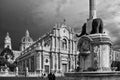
point(105, 75)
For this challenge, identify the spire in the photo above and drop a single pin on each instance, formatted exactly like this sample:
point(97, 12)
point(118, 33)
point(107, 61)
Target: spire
point(92, 9)
point(7, 36)
point(27, 33)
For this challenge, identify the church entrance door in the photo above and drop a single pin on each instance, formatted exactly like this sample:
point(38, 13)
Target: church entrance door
point(64, 68)
point(47, 68)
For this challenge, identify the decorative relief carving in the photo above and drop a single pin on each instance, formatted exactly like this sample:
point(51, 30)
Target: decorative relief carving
point(96, 56)
point(85, 46)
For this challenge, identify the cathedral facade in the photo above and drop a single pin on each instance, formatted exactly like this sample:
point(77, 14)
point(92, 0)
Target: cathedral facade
point(55, 51)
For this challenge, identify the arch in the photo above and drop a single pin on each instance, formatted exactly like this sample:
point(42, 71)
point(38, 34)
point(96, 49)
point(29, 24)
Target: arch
point(65, 43)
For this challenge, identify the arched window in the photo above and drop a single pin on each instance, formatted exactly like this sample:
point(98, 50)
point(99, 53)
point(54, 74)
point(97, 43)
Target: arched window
point(64, 44)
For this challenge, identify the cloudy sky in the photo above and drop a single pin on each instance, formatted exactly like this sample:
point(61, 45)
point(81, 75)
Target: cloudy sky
point(39, 16)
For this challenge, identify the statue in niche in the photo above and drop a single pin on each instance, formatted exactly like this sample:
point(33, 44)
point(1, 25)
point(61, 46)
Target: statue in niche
point(97, 27)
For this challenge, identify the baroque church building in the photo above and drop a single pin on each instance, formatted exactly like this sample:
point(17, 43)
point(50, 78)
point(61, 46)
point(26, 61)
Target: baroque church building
point(55, 51)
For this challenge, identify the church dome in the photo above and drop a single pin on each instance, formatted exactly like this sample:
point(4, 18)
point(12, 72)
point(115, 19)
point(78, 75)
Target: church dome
point(27, 38)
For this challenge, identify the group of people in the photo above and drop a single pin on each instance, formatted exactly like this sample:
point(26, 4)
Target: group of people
point(51, 76)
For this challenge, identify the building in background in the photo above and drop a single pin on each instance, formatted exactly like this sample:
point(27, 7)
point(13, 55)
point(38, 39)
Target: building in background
point(55, 51)
point(115, 55)
point(115, 59)
point(8, 43)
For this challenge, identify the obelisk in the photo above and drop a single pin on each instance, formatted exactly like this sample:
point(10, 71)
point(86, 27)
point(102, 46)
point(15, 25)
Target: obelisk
point(92, 15)
point(92, 9)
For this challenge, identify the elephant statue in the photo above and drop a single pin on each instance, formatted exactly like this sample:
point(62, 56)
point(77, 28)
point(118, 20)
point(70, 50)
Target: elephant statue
point(83, 31)
point(97, 27)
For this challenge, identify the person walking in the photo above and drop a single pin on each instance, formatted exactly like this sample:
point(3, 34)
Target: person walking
point(53, 76)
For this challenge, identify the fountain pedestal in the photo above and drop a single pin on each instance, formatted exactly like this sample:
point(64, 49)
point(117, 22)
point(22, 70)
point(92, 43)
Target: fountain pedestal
point(94, 52)
point(94, 58)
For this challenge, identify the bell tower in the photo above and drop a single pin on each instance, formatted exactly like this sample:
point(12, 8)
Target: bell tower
point(7, 42)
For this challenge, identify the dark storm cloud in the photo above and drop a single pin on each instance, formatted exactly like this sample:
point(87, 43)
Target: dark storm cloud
point(39, 16)
point(16, 16)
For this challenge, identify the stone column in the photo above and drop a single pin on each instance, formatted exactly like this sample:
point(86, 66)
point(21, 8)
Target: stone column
point(26, 74)
point(16, 71)
point(29, 63)
point(59, 62)
point(40, 56)
point(37, 61)
point(51, 61)
point(75, 61)
point(53, 43)
point(42, 61)
point(69, 63)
